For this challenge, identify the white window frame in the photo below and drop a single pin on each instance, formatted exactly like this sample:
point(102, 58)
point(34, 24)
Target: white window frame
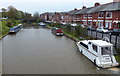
point(85, 16)
point(110, 15)
point(100, 13)
point(89, 15)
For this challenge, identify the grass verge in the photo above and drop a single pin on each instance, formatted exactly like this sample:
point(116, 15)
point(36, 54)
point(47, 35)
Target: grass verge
point(5, 25)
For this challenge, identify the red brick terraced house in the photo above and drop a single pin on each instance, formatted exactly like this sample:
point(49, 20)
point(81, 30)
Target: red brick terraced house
point(44, 16)
point(54, 17)
point(69, 17)
point(106, 15)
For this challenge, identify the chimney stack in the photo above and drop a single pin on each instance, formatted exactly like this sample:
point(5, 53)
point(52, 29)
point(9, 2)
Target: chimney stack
point(96, 4)
point(83, 7)
point(75, 9)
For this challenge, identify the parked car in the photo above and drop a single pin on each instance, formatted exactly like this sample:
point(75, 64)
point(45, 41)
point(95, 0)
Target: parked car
point(115, 32)
point(91, 28)
point(74, 24)
point(103, 30)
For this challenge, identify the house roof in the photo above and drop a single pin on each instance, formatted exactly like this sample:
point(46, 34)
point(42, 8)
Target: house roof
point(83, 11)
point(73, 11)
point(105, 7)
point(97, 8)
point(112, 7)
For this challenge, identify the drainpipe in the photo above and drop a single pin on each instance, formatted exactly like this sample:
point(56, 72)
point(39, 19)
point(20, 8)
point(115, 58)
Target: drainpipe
point(104, 19)
point(87, 19)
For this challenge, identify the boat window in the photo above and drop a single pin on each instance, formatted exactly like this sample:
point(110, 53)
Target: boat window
point(105, 50)
point(94, 47)
point(84, 45)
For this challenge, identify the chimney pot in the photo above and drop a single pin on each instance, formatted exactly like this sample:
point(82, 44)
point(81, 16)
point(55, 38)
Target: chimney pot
point(83, 7)
point(97, 4)
point(75, 9)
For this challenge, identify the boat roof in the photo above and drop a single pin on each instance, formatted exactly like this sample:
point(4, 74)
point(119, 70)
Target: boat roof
point(98, 42)
point(56, 28)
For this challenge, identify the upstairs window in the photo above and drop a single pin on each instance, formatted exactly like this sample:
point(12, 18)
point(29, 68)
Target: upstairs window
point(108, 14)
point(89, 16)
point(85, 16)
point(100, 15)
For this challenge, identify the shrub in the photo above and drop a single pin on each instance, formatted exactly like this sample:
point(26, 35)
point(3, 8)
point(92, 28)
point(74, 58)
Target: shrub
point(9, 23)
point(80, 31)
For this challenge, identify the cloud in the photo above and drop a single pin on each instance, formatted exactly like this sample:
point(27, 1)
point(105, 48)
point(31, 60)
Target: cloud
point(50, 5)
point(56, 1)
point(39, 0)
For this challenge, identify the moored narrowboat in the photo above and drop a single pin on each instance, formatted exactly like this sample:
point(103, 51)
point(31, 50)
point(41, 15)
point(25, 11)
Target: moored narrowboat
point(99, 52)
point(15, 28)
point(57, 31)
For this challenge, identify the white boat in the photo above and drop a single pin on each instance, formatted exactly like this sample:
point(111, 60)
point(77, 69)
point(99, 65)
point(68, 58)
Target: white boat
point(41, 24)
point(99, 52)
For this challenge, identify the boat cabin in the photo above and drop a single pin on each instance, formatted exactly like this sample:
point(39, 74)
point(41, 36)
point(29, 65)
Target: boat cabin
point(15, 28)
point(98, 51)
point(57, 31)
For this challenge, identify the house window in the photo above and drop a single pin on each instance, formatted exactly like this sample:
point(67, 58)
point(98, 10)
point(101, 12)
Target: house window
point(94, 48)
point(85, 22)
point(100, 24)
point(85, 16)
point(89, 16)
point(89, 23)
point(108, 14)
point(100, 15)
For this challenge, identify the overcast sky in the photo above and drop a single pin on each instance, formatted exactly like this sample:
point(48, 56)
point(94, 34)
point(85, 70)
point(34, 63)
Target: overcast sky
point(42, 6)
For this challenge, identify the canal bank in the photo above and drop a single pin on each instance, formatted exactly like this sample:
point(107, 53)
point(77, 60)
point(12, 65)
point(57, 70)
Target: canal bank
point(76, 39)
point(67, 35)
point(0, 57)
point(35, 50)
point(6, 25)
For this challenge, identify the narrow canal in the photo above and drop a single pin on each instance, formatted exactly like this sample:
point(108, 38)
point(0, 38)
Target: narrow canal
point(35, 50)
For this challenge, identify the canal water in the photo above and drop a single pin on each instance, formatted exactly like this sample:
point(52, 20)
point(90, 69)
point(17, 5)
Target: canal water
point(35, 50)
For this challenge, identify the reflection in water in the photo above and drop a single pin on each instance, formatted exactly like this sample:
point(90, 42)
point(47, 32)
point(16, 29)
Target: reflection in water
point(38, 51)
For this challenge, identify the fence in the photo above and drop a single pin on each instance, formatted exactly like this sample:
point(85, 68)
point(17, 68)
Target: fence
point(114, 39)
